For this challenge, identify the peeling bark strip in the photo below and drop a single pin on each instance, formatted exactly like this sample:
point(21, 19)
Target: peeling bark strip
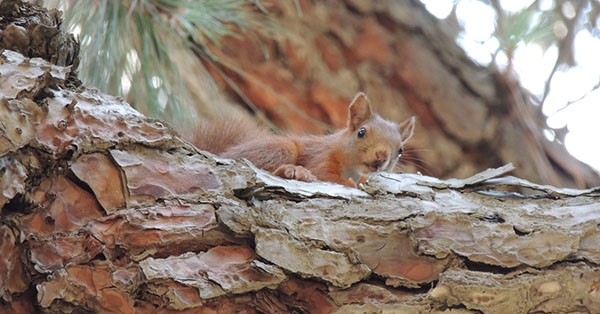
point(111, 212)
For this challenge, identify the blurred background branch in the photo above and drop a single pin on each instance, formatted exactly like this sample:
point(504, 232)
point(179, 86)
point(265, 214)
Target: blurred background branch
point(550, 47)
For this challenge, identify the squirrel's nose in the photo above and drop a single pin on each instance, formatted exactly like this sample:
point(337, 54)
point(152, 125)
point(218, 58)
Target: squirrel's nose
point(381, 156)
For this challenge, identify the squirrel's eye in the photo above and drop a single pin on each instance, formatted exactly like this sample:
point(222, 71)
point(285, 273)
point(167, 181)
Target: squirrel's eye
point(362, 132)
point(400, 151)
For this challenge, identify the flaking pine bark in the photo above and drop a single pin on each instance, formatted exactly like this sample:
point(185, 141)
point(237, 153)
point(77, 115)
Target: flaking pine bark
point(107, 211)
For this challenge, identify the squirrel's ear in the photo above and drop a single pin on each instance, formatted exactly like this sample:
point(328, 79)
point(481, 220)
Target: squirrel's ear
point(407, 128)
point(359, 111)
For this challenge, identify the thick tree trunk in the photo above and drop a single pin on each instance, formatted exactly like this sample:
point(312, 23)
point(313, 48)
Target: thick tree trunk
point(106, 211)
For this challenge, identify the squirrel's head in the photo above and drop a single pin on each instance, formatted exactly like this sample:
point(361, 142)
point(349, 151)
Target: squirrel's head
point(375, 144)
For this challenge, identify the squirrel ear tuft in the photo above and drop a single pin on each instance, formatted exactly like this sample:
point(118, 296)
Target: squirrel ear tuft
point(407, 128)
point(359, 111)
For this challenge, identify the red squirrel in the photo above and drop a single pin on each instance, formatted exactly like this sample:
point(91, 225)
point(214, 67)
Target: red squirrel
point(367, 144)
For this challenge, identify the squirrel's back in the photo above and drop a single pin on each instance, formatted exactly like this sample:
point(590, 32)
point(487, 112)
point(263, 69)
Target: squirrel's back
point(218, 135)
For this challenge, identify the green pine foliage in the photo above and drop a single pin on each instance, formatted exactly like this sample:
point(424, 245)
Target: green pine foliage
point(128, 47)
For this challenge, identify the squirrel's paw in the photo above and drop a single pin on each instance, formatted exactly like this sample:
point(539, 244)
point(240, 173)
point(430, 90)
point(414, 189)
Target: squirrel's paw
point(357, 184)
point(294, 172)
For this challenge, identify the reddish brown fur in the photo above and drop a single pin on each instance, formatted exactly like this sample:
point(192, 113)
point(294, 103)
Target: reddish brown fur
point(342, 157)
point(220, 135)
